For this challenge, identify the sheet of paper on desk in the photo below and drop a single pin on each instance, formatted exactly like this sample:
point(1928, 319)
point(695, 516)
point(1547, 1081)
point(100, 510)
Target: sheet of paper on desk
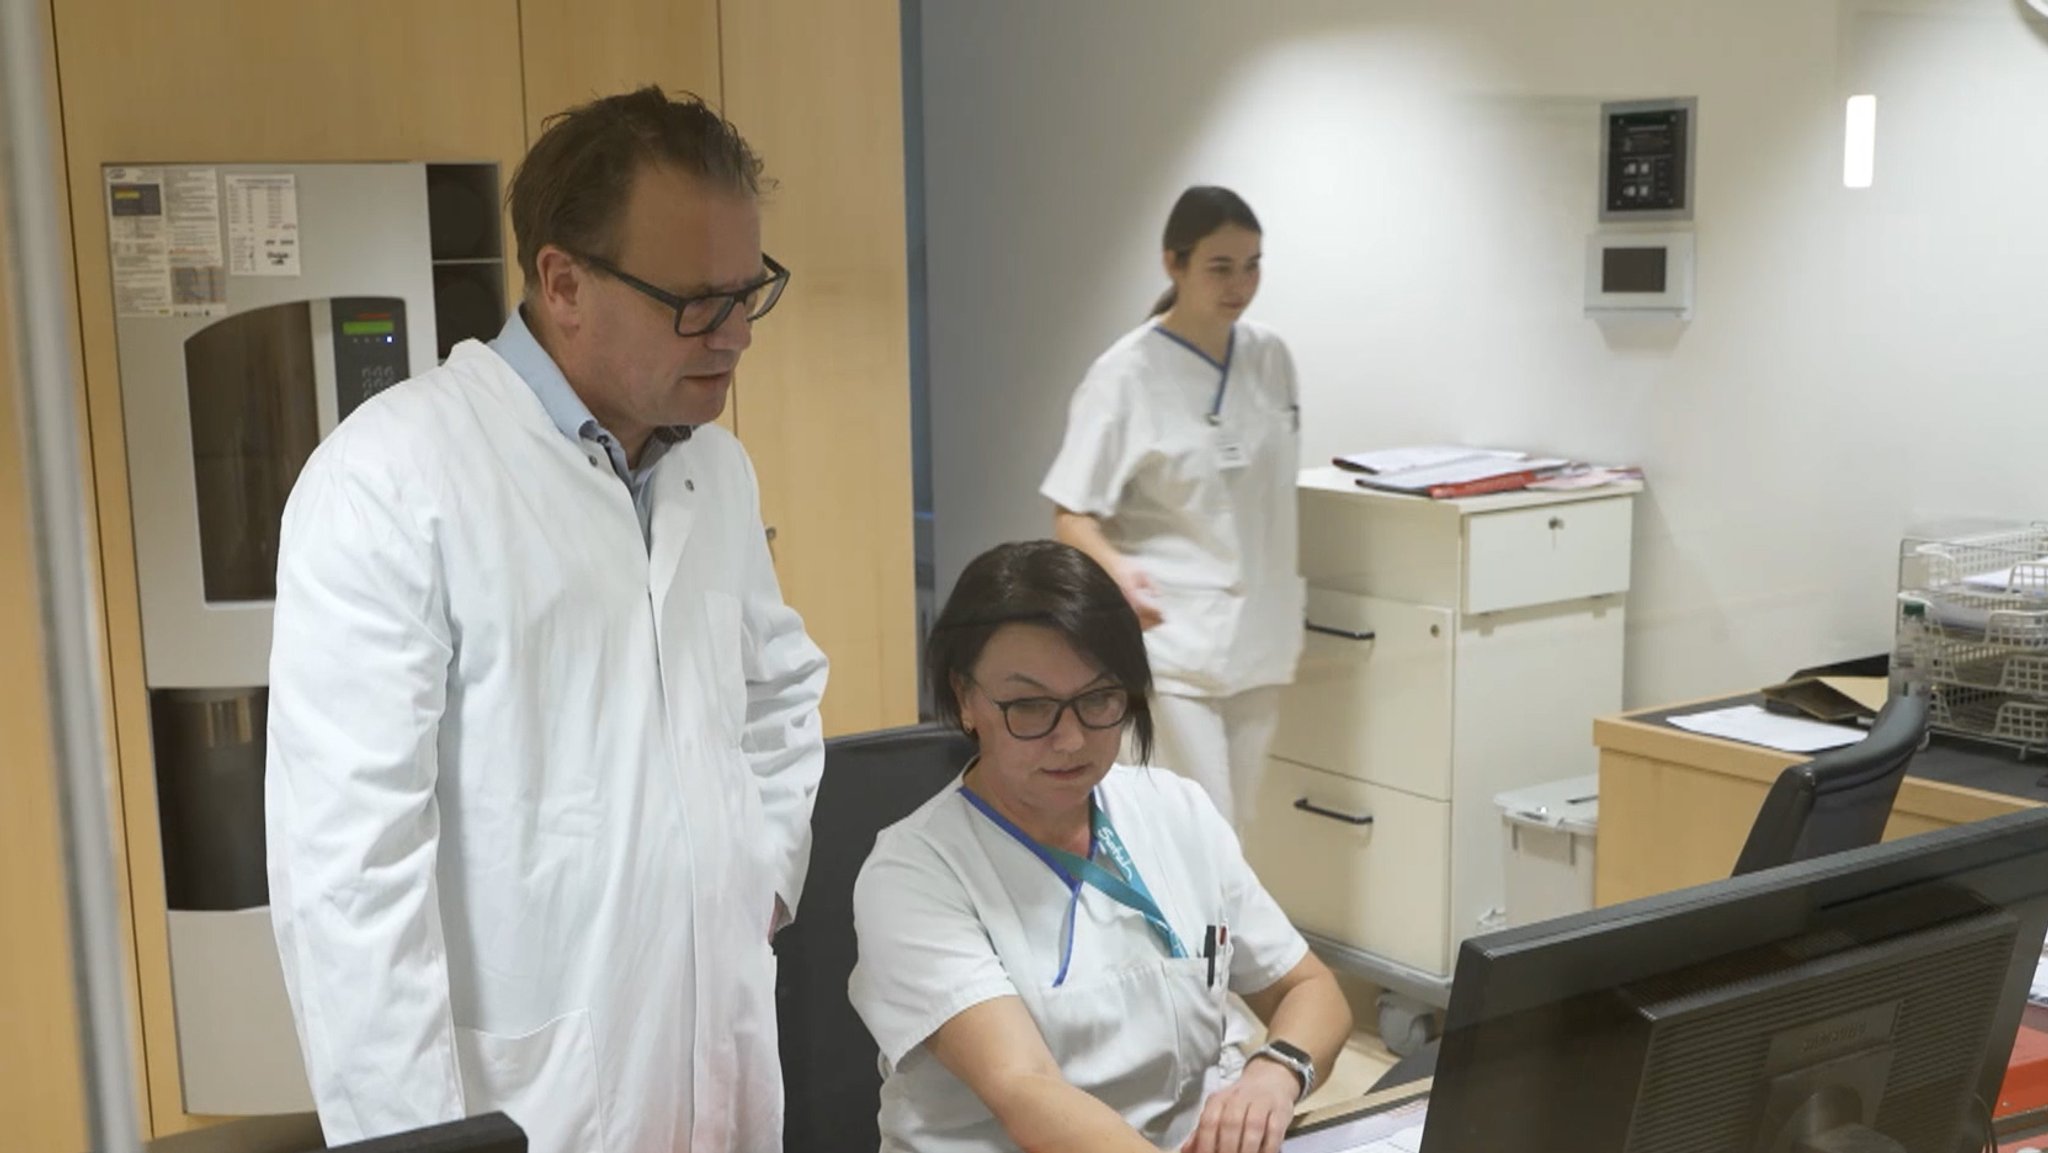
point(1753, 726)
point(1396, 1130)
point(2001, 581)
point(1387, 460)
point(1460, 472)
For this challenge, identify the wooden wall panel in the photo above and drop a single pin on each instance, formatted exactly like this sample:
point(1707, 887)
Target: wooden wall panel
point(824, 395)
point(576, 50)
point(241, 81)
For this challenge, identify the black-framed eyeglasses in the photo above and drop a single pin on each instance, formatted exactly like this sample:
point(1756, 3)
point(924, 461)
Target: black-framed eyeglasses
point(697, 315)
point(1029, 718)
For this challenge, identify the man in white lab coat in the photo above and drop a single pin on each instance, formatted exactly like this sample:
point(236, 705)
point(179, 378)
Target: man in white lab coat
point(543, 735)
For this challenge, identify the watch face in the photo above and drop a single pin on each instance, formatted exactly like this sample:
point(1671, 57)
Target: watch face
point(1291, 1051)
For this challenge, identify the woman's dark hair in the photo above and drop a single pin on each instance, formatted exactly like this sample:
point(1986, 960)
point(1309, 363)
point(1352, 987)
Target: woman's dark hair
point(1056, 586)
point(1198, 213)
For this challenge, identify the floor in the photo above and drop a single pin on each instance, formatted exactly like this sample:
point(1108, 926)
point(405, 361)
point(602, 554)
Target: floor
point(1361, 1062)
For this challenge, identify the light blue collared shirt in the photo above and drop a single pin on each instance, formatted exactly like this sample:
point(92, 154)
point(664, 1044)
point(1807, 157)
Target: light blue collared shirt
point(516, 344)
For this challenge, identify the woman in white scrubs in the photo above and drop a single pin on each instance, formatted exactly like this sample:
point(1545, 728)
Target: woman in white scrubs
point(1045, 946)
point(1178, 476)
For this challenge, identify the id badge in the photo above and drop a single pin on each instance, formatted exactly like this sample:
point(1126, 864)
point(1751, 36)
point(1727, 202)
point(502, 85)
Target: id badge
point(1231, 453)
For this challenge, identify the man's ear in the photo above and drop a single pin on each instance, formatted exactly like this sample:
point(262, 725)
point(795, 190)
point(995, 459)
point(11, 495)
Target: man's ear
point(561, 285)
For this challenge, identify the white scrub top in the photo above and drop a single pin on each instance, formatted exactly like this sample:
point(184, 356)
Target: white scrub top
point(1190, 466)
point(951, 911)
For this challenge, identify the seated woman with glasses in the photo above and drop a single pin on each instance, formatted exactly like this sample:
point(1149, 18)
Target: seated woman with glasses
point(1046, 946)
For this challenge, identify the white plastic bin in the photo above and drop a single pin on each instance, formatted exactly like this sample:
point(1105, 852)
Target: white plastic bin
point(1550, 832)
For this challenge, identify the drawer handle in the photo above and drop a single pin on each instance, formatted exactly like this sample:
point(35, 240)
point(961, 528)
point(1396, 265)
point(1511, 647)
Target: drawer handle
point(1347, 634)
point(1556, 522)
point(1308, 806)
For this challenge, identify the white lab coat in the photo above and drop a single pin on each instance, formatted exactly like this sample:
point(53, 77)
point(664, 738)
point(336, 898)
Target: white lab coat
point(1220, 542)
point(952, 911)
point(534, 783)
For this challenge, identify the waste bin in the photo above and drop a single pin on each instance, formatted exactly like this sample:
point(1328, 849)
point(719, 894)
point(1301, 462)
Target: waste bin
point(1550, 832)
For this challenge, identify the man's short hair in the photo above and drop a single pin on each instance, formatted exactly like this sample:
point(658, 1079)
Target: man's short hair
point(571, 189)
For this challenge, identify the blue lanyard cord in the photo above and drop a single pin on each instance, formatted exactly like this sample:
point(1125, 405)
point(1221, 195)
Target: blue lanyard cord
point(1222, 381)
point(1072, 883)
point(1075, 871)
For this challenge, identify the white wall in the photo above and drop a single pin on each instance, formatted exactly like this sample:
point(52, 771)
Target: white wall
point(1425, 170)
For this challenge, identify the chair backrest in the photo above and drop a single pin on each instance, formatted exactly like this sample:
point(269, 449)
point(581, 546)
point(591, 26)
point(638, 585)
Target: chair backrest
point(1840, 799)
point(484, 1133)
point(300, 1133)
point(832, 1086)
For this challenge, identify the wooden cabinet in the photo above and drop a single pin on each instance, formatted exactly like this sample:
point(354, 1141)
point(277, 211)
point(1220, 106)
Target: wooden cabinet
point(1456, 650)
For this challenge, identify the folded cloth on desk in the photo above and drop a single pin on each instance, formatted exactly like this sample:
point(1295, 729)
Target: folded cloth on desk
point(1752, 725)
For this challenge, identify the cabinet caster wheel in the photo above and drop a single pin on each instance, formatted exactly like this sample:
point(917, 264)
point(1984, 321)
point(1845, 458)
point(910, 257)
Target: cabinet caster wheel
point(1406, 1025)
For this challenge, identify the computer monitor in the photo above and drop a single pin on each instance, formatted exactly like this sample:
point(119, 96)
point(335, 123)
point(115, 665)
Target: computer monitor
point(1864, 1001)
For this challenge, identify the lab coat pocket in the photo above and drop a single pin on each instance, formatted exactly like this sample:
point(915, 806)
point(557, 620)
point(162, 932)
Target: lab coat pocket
point(725, 669)
point(545, 1080)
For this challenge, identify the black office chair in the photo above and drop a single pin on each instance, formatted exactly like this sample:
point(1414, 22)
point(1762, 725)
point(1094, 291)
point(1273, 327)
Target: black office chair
point(486, 1133)
point(1841, 799)
point(300, 1133)
point(831, 1083)
point(1837, 801)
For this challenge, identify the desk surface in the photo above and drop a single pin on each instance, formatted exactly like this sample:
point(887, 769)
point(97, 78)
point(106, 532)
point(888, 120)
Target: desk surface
point(1946, 760)
point(1676, 806)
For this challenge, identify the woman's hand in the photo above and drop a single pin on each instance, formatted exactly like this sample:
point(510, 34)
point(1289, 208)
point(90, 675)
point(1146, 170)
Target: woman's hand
point(1250, 1116)
point(1140, 591)
point(1084, 532)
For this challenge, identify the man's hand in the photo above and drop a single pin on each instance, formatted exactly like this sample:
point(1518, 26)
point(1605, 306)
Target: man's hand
point(1250, 1116)
point(778, 917)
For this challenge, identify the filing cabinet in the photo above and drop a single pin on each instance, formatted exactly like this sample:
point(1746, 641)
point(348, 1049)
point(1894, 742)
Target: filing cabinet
point(1456, 649)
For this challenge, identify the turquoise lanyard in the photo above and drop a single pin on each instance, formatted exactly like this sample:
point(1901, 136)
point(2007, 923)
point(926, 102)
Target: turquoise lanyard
point(1074, 871)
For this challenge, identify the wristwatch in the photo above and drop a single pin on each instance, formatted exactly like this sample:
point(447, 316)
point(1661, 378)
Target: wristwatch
point(1294, 1059)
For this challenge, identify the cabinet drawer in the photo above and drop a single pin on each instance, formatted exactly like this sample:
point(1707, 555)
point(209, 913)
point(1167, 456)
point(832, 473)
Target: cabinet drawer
point(1375, 710)
point(1382, 887)
point(1536, 556)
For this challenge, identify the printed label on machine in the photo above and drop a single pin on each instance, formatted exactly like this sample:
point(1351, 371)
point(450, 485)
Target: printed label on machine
point(263, 224)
